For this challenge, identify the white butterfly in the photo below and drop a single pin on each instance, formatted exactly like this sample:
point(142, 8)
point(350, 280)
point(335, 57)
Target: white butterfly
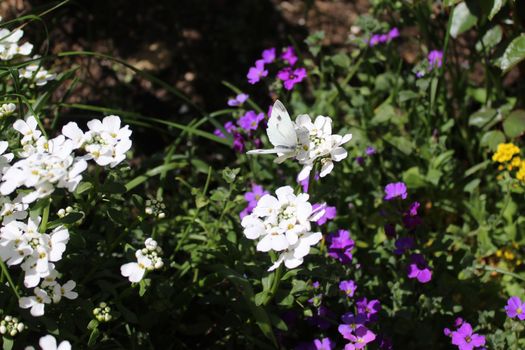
point(282, 133)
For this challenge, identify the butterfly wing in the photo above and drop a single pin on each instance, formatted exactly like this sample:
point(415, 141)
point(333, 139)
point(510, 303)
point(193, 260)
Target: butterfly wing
point(281, 129)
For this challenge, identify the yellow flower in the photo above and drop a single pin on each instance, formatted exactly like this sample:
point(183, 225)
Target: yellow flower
point(505, 152)
point(520, 175)
point(509, 255)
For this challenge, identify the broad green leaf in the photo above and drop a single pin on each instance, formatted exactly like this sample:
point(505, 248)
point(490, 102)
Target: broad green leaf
point(514, 124)
point(496, 7)
point(413, 178)
point(482, 118)
point(490, 39)
point(462, 20)
point(342, 60)
point(492, 139)
point(514, 54)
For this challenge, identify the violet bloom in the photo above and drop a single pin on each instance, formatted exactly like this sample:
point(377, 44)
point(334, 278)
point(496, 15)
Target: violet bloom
point(369, 308)
point(250, 120)
point(229, 127)
point(465, 339)
point(394, 190)
point(403, 244)
point(238, 142)
point(329, 213)
point(360, 338)
point(412, 210)
point(515, 308)
point(340, 246)
point(268, 55)
point(435, 59)
point(360, 160)
point(458, 322)
point(290, 76)
point(238, 100)
point(324, 344)
point(418, 268)
point(447, 331)
point(316, 284)
point(393, 33)
point(348, 287)
point(370, 151)
point(351, 323)
point(305, 183)
point(374, 40)
point(256, 73)
point(289, 56)
point(321, 317)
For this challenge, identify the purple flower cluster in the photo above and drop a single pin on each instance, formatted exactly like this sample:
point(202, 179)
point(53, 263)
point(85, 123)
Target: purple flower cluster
point(464, 337)
point(252, 197)
point(418, 267)
point(376, 39)
point(515, 308)
point(434, 60)
point(238, 100)
point(340, 246)
point(243, 129)
point(289, 75)
point(355, 326)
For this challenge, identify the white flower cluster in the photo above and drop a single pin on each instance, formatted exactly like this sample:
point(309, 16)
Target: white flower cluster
point(318, 143)
point(48, 291)
point(283, 224)
point(7, 109)
point(106, 142)
point(9, 47)
point(50, 343)
point(11, 326)
point(36, 74)
point(46, 164)
point(148, 259)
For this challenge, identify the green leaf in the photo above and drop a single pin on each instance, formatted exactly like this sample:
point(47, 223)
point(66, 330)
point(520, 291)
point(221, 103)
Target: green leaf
point(514, 54)
point(472, 185)
point(92, 324)
point(70, 218)
point(95, 333)
point(413, 178)
point(496, 7)
point(402, 144)
point(7, 343)
point(462, 20)
point(341, 59)
point(514, 124)
point(481, 118)
point(83, 187)
point(384, 113)
point(491, 38)
point(492, 139)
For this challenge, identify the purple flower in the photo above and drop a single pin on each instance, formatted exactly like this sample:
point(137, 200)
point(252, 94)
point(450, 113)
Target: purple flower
point(289, 56)
point(238, 142)
point(435, 59)
point(250, 120)
point(229, 127)
point(290, 76)
point(420, 74)
point(370, 151)
point(465, 339)
point(256, 193)
point(360, 160)
point(324, 344)
point(268, 55)
point(447, 332)
point(515, 308)
point(348, 287)
point(238, 100)
point(321, 317)
point(329, 213)
point(418, 268)
point(352, 322)
point(340, 246)
point(403, 244)
point(316, 284)
point(374, 40)
point(412, 210)
point(394, 190)
point(306, 182)
point(256, 73)
point(393, 33)
point(458, 322)
point(360, 338)
point(369, 308)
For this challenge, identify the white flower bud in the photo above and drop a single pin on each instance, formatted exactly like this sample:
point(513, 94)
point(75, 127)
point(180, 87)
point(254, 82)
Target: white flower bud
point(159, 264)
point(3, 329)
point(61, 213)
point(20, 327)
point(149, 210)
point(69, 209)
point(13, 332)
point(161, 215)
point(8, 318)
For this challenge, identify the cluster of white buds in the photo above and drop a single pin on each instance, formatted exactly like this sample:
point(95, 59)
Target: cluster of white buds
point(63, 212)
point(103, 312)
point(148, 259)
point(7, 109)
point(11, 326)
point(155, 208)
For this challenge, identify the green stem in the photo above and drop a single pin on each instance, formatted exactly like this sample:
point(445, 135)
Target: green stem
point(5, 272)
point(275, 284)
point(45, 217)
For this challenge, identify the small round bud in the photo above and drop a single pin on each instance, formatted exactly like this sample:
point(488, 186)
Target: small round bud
point(69, 209)
point(13, 332)
point(161, 215)
point(3, 329)
point(20, 327)
point(61, 213)
point(96, 311)
point(159, 264)
point(107, 317)
point(149, 210)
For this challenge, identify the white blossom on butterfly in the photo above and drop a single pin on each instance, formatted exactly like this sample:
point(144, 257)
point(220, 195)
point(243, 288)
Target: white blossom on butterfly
point(305, 141)
point(148, 259)
point(283, 224)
